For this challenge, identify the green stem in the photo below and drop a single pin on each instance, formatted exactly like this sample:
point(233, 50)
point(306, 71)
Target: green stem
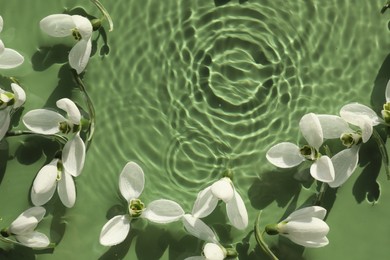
point(61, 139)
point(105, 14)
point(91, 108)
point(321, 193)
point(383, 151)
point(260, 240)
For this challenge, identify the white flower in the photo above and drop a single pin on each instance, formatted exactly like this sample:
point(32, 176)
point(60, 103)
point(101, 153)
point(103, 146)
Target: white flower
point(211, 251)
point(8, 102)
point(131, 185)
point(304, 227)
point(9, 58)
point(23, 228)
point(63, 25)
point(287, 155)
point(224, 190)
point(51, 177)
point(196, 227)
point(48, 122)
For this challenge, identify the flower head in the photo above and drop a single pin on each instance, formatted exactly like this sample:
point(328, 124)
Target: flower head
point(224, 190)
point(63, 25)
point(23, 228)
point(131, 185)
point(9, 58)
point(304, 227)
point(287, 155)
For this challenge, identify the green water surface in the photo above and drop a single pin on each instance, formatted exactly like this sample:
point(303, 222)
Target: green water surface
point(189, 89)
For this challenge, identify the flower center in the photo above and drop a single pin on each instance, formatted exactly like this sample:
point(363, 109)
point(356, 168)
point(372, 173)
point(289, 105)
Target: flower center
point(309, 152)
point(4, 232)
point(76, 34)
point(386, 112)
point(135, 208)
point(350, 139)
point(66, 128)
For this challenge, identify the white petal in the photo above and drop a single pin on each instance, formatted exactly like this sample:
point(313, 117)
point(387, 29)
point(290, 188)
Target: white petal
point(67, 190)
point(46, 178)
point(284, 155)
point(312, 211)
point(83, 25)
point(333, 126)
point(79, 55)
point(39, 199)
point(387, 93)
point(236, 211)
point(214, 251)
point(358, 110)
point(322, 169)
point(1, 23)
point(57, 25)
point(198, 228)
point(163, 211)
point(10, 58)
point(204, 204)
point(34, 239)
point(71, 110)
point(2, 47)
point(314, 243)
point(223, 189)
point(27, 221)
point(362, 121)
point(115, 230)
point(20, 95)
point(5, 120)
point(73, 155)
point(43, 121)
point(344, 163)
point(311, 130)
point(131, 181)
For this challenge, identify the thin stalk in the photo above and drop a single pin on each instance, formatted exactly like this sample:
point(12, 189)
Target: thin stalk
point(61, 139)
point(324, 186)
point(105, 14)
point(383, 151)
point(260, 240)
point(91, 108)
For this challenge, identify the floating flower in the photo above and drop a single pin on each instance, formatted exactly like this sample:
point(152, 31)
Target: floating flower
point(9, 58)
point(287, 155)
point(9, 101)
point(51, 177)
point(211, 251)
point(48, 122)
point(22, 228)
point(224, 190)
point(63, 25)
point(304, 227)
point(131, 185)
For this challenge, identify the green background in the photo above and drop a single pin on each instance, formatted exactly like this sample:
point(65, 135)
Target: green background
point(188, 89)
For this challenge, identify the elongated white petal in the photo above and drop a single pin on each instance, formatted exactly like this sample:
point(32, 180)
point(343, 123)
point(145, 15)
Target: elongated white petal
point(71, 110)
point(311, 130)
point(387, 93)
point(79, 55)
point(83, 26)
point(205, 203)
point(10, 58)
point(362, 121)
point(214, 251)
point(2, 47)
point(223, 189)
point(1, 23)
point(5, 120)
point(20, 95)
point(304, 213)
point(43, 121)
point(115, 230)
point(236, 212)
point(333, 126)
point(358, 110)
point(284, 155)
point(46, 178)
point(34, 239)
point(27, 221)
point(198, 228)
point(57, 25)
point(314, 243)
point(42, 198)
point(322, 169)
point(163, 211)
point(67, 190)
point(131, 181)
point(73, 155)
point(344, 163)
point(305, 229)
